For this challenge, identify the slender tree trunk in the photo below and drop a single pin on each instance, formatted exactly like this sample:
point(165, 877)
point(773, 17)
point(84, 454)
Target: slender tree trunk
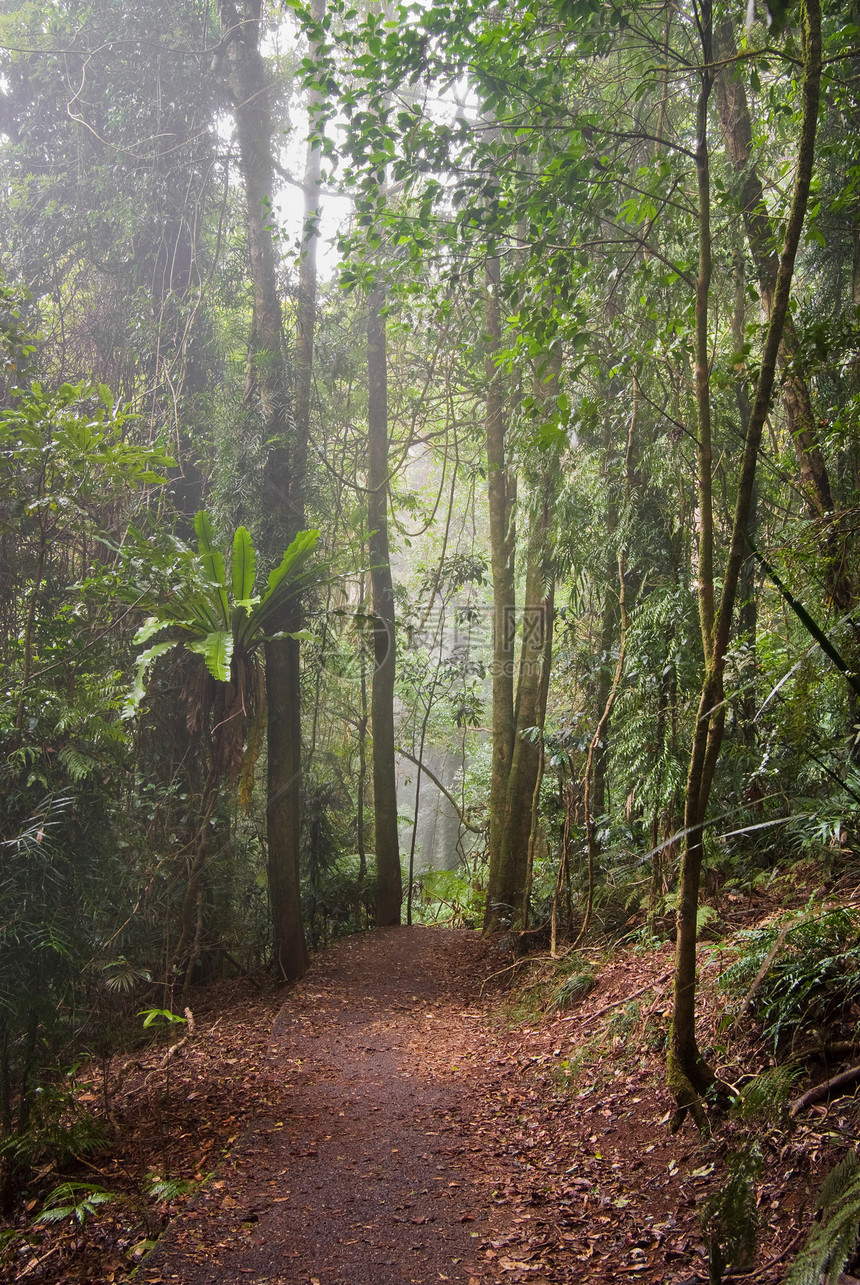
point(686, 1072)
point(362, 763)
point(504, 892)
point(595, 772)
point(417, 808)
point(268, 383)
point(736, 124)
point(747, 604)
point(594, 793)
point(535, 651)
point(594, 790)
point(389, 890)
point(284, 813)
point(307, 294)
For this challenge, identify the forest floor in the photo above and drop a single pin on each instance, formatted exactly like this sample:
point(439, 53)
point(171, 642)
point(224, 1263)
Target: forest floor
point(403, 1116)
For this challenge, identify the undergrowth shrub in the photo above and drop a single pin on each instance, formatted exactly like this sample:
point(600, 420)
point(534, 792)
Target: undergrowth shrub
point(59, 1129)
point(729, 1217)
point(75, 1201)
point(624, 1020)
point(448, 897)
point(578, 983)
point(763, 1101)
point(340, 899)
point(813, 979)
point(833, 1239)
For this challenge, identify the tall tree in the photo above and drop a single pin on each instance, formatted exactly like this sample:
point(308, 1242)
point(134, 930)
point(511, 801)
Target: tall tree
point(116, 190)
point(268, 386)
point(506, 874)
point(801, 424)
point(687, 1073)
point(515, 835)
point(389, 893)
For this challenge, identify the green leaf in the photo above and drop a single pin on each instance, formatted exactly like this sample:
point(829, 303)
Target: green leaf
point(152, 1015)
point(150, 627)
point(296, 555)
point(244, 565)
point(299, 635)
point(78, 765)
point(195, 611)
point(284, 582)
point(217, 652)
point(76, 1200)
point(138, 690)
point(214, 565)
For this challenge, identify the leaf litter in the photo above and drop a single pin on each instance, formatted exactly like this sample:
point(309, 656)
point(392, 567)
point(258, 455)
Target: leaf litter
point(389, 1121)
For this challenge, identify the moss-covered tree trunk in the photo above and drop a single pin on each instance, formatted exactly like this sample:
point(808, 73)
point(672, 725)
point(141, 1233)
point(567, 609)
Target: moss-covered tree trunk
point(516, 836)
point(686, 1072)
point(535, 651)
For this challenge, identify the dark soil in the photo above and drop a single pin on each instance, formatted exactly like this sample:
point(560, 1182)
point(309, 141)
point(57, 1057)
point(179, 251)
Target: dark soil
point(395, 1120)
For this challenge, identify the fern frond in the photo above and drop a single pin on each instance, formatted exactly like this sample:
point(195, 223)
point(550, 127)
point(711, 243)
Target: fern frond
point(78, 764)
point(833, 1240)
point(838, 1182)
point(765, 1099)
point(138, 690)
point(217, 652)
point(729, 1217)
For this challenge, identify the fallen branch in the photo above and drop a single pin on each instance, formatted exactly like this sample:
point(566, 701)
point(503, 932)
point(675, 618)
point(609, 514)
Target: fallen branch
point(37, 1262)
point(509, 969)
point(767, 961)
point(841, 1049)
point(625, 999)
point(778, 945)
point(461, 817)
point(822, 1090)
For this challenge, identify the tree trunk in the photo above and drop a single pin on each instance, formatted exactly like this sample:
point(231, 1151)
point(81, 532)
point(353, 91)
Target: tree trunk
point(594, 784)
point(519, 832)
point(307, 284)
point(747, 602)
point(505, 886)
point(736, 124)
point(687, 1074)
point(389, 889)
point(517, 837)
point(535, 651)
point(284, 812)
point(268, 382)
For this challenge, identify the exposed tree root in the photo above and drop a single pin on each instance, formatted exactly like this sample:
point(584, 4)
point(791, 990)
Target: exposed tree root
point(687, 1092)
point(820, 1091)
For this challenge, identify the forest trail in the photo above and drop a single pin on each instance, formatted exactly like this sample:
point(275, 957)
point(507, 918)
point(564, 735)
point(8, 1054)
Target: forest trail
point(393, 1128)
point(397, 1119)
point(359, 1174)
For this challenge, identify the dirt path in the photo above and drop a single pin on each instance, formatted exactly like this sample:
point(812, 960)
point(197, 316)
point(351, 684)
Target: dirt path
point(390, 1123)
point(359, 1174)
